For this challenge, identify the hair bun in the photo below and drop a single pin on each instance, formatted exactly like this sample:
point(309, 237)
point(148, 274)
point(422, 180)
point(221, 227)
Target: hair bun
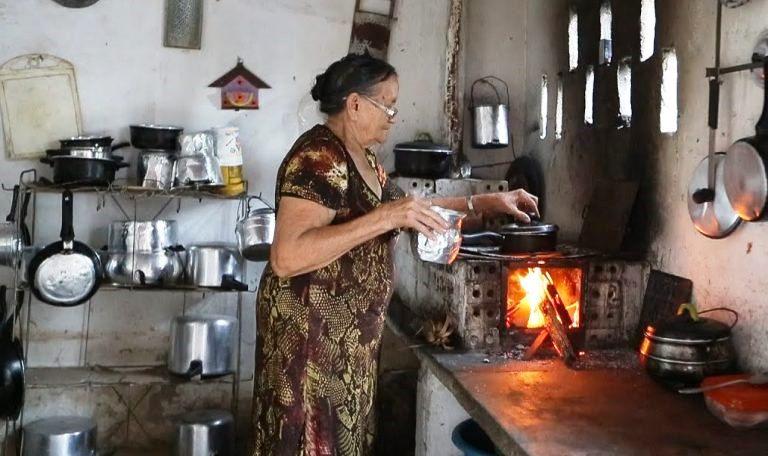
point(317, 89)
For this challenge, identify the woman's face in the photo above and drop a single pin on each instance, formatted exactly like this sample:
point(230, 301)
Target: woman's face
point(373, 122)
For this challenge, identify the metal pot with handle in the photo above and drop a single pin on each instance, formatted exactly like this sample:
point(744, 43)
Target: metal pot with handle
point(215, 266)
point(491, 120)
point(536, 237)
point(687, 348)
point(10, 238)
point(143, 253)
point(256, 230)
point(202, 345)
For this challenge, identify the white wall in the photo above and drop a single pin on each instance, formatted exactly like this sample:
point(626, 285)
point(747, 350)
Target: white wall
point(126, 76)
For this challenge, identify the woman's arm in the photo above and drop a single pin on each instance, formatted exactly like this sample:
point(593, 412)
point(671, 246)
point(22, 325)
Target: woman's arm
point(306, 241)
point(517, 203)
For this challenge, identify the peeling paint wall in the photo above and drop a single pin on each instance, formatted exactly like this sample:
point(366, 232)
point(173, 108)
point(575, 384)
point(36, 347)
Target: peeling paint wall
point(126, 76)
point(725, 272)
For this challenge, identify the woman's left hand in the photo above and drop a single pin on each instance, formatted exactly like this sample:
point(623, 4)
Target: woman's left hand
point(517, 203)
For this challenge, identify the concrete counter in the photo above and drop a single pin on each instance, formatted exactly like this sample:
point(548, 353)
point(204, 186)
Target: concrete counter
point(545, 408)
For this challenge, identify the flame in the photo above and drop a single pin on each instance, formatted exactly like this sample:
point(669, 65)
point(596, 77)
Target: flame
point(528, 290)
point(534, 284)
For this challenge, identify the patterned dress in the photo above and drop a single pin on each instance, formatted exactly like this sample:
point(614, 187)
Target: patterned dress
point(319, 332)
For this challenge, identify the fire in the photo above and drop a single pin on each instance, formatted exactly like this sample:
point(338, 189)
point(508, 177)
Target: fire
point(527, 290)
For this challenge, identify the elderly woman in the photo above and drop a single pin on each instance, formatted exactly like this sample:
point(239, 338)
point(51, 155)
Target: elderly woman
point(324, 295)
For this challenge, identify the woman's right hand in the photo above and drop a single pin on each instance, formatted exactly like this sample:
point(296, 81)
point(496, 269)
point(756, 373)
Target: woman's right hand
point(412, 212)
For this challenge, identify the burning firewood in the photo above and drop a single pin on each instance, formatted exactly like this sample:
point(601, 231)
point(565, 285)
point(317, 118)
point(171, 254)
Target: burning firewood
point(557, 330)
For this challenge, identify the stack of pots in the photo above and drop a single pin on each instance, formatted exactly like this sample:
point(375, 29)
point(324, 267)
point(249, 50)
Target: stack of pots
point(85, 160)
point(144, 253)
point(158, 145)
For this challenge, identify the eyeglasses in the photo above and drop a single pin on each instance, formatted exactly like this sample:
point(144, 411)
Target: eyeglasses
point(389, 111)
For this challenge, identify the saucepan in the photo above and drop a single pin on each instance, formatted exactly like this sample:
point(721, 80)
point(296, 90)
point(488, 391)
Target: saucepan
point(215, 266)
point(202, 345)
point(536, 237)
point(59, 436)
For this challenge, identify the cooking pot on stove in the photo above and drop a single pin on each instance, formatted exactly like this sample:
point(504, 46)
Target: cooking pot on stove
point(687, 348)
point(536, 237)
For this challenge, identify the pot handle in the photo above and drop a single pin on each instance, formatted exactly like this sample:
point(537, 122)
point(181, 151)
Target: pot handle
point(487, 80)
point(67, 230)
point(120, 145)
point(481, 235)
point(735, 314)
point(14, 202)
point(228, 282)
point(119, 162)
point(46, 161)
point(195, 368)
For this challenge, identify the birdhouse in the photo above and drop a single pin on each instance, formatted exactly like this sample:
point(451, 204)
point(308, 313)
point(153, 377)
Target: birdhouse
point(239, 88)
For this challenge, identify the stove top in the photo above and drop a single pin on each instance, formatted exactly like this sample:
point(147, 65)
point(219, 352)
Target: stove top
point(563, 252)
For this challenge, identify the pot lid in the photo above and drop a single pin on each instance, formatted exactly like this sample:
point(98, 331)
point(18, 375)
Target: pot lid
point(88, 138)
point(745, 181)
point(685, 329)
point(423, 146)
point(715, 219)
point(534, 227)
point(158, 127)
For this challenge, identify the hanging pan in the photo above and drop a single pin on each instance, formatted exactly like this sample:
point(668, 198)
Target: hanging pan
point(744, 169)
point(11, 364)
point(67, 272)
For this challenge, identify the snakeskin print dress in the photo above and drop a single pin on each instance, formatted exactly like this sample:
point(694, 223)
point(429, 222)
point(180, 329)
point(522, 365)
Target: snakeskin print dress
point(319, 332)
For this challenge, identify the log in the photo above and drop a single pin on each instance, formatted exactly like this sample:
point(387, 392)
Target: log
point(562, 311)
point(537, 343)
point(557, 332)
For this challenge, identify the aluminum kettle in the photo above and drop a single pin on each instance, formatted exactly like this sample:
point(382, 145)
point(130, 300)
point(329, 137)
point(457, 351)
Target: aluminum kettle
point(490, 128)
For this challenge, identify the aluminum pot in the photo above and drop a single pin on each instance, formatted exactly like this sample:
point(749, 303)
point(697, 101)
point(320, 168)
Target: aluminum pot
point(202, 345)
point(491, 120)
point(215, 266)
point(205, 433)
point(144, 253)
point(148, 136)
point(59, 436)
point(685, 349)
point(155, 169)
point(142, 236)
point(256, 231)
point(198, 170)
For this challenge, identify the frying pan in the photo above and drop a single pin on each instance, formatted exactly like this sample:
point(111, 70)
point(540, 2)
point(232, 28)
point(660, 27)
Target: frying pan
point(75, 3)
point(67, 272)
point(513, 238)
point(11, 365)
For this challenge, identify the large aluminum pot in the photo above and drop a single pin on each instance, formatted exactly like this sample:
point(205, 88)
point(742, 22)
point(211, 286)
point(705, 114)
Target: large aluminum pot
point(491, 120)
point(215, 266)
point(142, 236)
point(256, 231)
point(202, 345)
point(144, 253)
point(59, 436)
point(205, 433)
point(687, 348)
